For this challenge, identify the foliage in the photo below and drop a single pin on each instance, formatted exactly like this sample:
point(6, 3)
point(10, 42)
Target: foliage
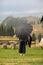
point(10, 31)
point(6, 31)
point(2, 30)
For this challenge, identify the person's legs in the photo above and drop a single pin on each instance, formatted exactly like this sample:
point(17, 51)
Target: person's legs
point(29, 40)
point(29, 44)
point(22, 48)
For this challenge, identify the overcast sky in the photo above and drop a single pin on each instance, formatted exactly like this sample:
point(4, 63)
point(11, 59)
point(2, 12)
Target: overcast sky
point(20, 8)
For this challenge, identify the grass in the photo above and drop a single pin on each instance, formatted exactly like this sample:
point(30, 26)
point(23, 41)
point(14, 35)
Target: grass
point(33, 56)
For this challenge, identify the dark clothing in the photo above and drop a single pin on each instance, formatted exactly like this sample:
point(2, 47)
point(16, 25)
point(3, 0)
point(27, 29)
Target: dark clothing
point(22, 46)
point(29, 41)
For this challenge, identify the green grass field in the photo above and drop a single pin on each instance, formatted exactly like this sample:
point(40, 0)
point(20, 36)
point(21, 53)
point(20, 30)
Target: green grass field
point(33, 56)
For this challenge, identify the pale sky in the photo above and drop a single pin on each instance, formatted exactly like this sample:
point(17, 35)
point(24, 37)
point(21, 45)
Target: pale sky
point(20, 8)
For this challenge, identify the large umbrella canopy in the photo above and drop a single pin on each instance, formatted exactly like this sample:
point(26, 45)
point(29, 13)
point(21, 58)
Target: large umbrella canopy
point(23, 30)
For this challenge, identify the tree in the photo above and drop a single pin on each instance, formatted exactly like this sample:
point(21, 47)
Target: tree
point(10, 31)
point(6, 31)
point(2, 30)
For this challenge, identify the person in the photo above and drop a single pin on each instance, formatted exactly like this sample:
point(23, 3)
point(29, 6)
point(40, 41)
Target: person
point(22, 46)
point(29, 40)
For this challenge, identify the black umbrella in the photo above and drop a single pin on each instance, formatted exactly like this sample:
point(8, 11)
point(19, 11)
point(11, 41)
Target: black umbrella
point(23, 30)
